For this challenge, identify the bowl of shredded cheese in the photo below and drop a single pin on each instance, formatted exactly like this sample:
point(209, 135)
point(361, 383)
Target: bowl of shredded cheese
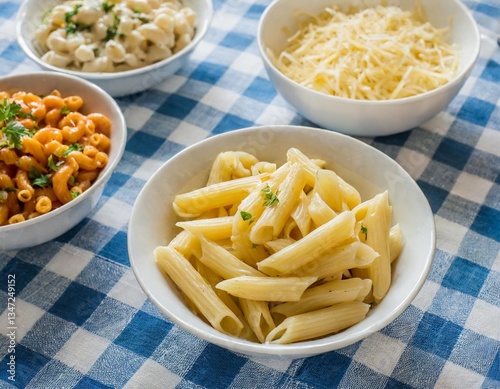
point(124, 47)
point(368, 68)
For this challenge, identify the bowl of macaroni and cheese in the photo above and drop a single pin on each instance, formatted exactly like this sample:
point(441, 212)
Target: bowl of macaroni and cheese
point(368, 68)
point(281, 241)
point(124, 47)
point(61, 138)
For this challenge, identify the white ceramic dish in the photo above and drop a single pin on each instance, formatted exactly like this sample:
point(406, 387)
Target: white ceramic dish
point(370, 171)
point(53, 224)
point(362, 117)
point(120, 83)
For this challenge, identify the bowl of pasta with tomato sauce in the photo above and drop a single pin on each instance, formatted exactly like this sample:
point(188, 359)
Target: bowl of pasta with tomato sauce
point(281, 241)
point(125, 47)
point(61, 137)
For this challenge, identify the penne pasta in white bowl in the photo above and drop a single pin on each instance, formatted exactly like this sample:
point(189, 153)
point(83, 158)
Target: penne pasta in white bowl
point(281, 240)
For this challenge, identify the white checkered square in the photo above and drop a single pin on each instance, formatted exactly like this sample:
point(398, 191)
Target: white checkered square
point(489, 141)
point(424, 298)
point(172, 84)
point(471, 187)
point(152, 375)
point(147, 169)
point(275, 115)
point(187, 134)
point(483, 319)
point(413, 162)
point(136, 116)
point(86, 346)
point(248, 63)
point(380, 353)
point(69, 261)
point(439, 124)
point(114, 213)
point(449, 235)
point(128, 291)
point(452, 374)
point(219, 98)
point(26, 315)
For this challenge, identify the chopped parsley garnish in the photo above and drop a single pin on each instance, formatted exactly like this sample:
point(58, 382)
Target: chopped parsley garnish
point(245, 215)
point(106, 7)
point(270, 198)
point(52, 165)
point(71, 26)
point(364, 230)
point(13, 132)
point(37, 178)
point(74, 194)
point(112, 30)
point(9, 111)
point(65, 110)
point(72, 147)
point(143, 19)
point(254, 245)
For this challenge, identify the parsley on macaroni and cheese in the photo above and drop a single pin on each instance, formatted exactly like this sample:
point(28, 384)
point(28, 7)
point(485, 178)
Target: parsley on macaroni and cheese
point(49, 152)
point(111, 36)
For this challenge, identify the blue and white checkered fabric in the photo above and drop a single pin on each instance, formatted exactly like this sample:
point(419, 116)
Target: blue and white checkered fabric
point(83, 321)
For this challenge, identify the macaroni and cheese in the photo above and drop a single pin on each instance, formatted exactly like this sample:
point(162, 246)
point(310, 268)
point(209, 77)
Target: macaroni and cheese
point(50, 152)
point(112, 36)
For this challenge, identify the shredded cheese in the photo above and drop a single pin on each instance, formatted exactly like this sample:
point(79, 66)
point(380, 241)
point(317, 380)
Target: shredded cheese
point(379, 53)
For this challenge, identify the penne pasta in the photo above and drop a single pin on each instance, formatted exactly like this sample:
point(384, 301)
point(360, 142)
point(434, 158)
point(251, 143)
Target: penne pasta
point(318, 323)
point(290, 252)
point(267, 288)
point(223, 263)
point(198, 290)
point(278, 205)
point(322, 296)
point(196, 202)
point(310, 247)
point(213, 229)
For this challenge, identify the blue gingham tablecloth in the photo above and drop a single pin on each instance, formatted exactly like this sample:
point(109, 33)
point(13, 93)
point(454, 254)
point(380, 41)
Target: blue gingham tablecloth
point(82, 320)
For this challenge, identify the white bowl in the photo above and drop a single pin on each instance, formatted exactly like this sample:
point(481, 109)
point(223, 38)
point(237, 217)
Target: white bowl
point(369, 170)
point(120, 83)
point(54, 223)
point(363, 117)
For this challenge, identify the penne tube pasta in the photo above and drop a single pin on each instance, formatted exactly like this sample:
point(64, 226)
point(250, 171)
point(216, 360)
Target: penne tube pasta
point(377, 223)
point(198, 290)
point(349, 194)
point(395, 242)
point(186, 243)
point(196, 202)
point(248, 252)
point(229, 165)
point(333, 262)
point(328, 188)
point(223, 263)
point(267, 288)
point(258, 317)
point(252, 207)
point(301, 214)
point(213, 279)
point(322, 296)
point(318, 323)
point(319, 210)
point(278, 206)
point(311, 247)
point(214, 229)
point(278, 244)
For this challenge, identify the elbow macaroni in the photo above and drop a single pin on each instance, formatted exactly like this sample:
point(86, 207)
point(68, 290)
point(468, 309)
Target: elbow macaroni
point(49, 153)
point(294, 246)
point(101, 36)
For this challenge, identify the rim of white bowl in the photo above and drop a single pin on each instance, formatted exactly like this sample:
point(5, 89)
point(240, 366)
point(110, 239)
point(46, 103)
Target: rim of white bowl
point(293, 350)
point(103, 176)
point(110, 75)
point(456, 79)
